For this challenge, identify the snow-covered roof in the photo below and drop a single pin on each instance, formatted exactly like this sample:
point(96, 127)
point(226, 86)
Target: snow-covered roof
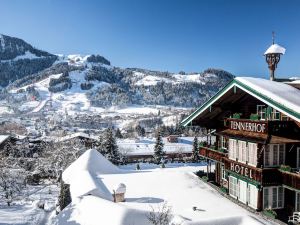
point(284, 94)
point(3, 138)
point(75, 135)
point(275, 48)
point(278, 95)
point(87, 183)
point(94, 211)
point(83, 175)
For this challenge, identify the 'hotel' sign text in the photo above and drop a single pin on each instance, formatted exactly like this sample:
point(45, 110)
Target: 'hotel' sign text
point(247, 172)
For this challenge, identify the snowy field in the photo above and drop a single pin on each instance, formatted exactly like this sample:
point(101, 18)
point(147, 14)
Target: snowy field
point(25, 211)
point(93, 179)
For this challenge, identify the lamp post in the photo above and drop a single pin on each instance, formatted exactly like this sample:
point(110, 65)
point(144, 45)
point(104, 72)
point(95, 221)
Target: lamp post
point(272, 55)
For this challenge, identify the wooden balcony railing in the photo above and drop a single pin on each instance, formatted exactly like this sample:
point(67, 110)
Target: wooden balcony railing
point(290, 179)
point(212, 154)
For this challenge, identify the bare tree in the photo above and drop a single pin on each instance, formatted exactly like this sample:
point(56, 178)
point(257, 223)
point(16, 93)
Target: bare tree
point(162, 215)
point(59, 155)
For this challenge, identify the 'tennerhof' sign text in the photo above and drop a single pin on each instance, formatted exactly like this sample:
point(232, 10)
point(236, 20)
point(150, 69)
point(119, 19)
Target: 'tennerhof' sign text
point(248, 126)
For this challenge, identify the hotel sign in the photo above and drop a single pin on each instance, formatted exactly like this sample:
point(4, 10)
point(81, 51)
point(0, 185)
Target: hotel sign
point(247, 172)
point(250, 126)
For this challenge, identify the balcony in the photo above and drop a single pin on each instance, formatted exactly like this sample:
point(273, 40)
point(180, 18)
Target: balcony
point(291, 179)
point(211, 153)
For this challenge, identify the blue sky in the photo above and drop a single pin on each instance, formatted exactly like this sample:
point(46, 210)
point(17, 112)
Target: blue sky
point(168, 35)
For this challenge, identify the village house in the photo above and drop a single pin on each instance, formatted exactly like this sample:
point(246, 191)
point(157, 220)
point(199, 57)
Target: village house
point(88, 140)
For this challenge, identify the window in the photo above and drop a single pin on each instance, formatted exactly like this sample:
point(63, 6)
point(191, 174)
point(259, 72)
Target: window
point(267, 156)
point(261, 111)
point(297, 208)
point(252, 196)
point(233, 186)
point(298, 157)
point(223, 173)
point(242, 151)
point(252, 153)
point(273, 197)
point(275, 115)
point(223, 142)
point(232, 149)
point(266, 198)
point(243, 191)
point(274, 155)
point(280, 197)
point(284, 117)
point(281, 154)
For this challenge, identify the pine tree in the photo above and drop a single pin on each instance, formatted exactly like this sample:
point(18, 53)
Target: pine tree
point(111, 151)
point(99, 145)
point(159, 149)
point(140, 130)
point(118, 134)
point(195, 150)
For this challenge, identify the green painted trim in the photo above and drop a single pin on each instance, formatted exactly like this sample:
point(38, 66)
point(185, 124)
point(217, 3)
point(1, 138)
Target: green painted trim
point(246, 179)
point(239, 84)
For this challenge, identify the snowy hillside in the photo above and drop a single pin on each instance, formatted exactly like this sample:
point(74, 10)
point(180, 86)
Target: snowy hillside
point(89, 86)
point(86, 91)
point(19, 59)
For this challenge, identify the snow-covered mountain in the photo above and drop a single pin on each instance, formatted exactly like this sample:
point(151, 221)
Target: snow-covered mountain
point(19, 59)
point(89, 83)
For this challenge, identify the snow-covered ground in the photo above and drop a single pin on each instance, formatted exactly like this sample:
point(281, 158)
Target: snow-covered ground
point(145, 146)
point(149, 80)
point(25, 211)
point(146, 190)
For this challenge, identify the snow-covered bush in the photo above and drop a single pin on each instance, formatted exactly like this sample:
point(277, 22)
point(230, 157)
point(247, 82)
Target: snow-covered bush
point(86, 86)
point(162, 215)
point(11, 184)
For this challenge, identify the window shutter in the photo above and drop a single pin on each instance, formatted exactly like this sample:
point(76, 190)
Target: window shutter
point(281, 154)
point(266, 198)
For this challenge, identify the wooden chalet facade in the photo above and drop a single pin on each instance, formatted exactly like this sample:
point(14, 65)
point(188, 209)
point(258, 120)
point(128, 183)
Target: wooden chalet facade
point(257, 149)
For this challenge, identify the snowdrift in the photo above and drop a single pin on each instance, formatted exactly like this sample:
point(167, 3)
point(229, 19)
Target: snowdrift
point(83, 175)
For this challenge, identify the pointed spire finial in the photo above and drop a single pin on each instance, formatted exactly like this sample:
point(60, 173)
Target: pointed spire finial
point(273, 37)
